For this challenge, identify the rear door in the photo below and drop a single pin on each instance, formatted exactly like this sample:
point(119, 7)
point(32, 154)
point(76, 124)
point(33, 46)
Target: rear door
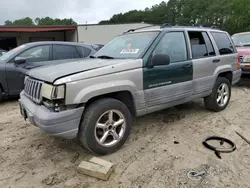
point(204, 61)
point(169, 84)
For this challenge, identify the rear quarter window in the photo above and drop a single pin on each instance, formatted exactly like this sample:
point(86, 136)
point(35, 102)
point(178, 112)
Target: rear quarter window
point(85, 52)
point(223, 43)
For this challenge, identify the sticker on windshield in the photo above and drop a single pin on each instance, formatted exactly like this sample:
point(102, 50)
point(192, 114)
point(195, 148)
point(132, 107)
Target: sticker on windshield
point(129, 51)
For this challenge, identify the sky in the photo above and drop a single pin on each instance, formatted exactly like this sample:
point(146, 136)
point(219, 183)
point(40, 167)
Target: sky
point(81, 11)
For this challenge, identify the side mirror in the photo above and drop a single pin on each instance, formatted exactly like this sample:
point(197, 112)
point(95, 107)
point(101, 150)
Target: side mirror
point(19, 60)
point(160, 59)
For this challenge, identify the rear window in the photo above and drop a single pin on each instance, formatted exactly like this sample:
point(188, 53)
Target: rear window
point(64, 52)
point(223, 43)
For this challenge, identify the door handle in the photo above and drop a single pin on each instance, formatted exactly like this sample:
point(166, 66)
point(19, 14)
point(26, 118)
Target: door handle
point(187, 66)
point(216, 60)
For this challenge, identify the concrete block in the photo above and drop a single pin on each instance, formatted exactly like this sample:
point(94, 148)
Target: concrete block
point(97, 168)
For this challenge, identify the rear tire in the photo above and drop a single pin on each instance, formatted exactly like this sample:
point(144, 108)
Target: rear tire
point(1, 95)
point(220, 96)
point(105, 126)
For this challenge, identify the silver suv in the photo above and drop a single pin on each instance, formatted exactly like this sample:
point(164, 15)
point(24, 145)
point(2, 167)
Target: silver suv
point(136, 73)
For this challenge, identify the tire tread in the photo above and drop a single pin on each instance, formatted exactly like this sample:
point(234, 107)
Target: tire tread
point(210, 101)
point(87, 120)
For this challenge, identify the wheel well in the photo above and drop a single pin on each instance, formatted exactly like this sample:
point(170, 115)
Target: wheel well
point(228, 75)
point(123, 96)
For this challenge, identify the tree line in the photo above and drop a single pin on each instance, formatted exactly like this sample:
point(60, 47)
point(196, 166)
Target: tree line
point(230, 15)
point(47, 21)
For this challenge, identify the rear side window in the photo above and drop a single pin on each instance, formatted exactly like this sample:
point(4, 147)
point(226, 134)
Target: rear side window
point(210, 48)
point(84, 52)
point(200, 44)
point(223, 42)
point(64, 52)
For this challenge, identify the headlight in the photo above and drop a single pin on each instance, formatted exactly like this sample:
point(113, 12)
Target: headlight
point(246, 58)
point(53, 92)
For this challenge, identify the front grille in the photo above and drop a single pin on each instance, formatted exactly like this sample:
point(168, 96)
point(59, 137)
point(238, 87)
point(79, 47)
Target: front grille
point(32, 89)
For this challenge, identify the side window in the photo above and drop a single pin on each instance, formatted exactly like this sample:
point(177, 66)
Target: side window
point(223, 43)
point(174, 45)
point(35, 54)
point(64, 52)
point(210, 48)
point(198, 44)
point(83, 51)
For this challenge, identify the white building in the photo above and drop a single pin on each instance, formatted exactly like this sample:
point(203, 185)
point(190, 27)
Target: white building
point(101, 34)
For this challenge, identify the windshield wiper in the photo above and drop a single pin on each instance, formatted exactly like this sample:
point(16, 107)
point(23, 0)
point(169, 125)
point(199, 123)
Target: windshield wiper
point(246, 45)
point(105, 57)
point(92, 56)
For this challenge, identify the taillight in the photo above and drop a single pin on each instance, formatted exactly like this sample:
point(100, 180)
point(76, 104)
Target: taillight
point(239, 60)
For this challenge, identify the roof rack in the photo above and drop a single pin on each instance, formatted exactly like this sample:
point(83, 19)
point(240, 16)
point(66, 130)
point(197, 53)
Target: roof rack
point(206, 26)
point(165, 25)
point(132, 30)
point(214, 27)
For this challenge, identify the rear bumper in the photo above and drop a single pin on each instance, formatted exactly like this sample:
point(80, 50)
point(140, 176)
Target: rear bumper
point(236, 76)
point(63, 124)
point(245, 70)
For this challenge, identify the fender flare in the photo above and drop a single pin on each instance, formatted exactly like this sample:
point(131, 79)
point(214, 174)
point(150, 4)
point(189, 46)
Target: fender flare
point(104, 88)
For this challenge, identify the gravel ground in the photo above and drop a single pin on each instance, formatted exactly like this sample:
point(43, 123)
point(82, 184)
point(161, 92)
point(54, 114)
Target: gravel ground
point(162, 148)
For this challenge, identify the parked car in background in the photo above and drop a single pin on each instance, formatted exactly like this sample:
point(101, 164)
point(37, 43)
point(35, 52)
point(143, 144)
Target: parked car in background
point(242, 42)
point(99, 46)
point(137, 73)
point(15, 63)
point(2, 52)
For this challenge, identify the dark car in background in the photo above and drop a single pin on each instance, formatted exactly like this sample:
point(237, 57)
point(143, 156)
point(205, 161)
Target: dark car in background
point(15, 63)
point(2, 52)
point(242, 43)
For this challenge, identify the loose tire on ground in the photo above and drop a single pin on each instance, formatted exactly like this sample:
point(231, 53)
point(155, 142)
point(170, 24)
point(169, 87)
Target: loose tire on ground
point(211, 101)
point(91, 135)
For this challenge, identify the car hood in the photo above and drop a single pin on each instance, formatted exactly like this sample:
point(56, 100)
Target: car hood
point(243, 50)
point(54, 72)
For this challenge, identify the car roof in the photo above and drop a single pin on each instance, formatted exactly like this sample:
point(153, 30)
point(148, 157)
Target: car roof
point(58, 42)
point(178, 28)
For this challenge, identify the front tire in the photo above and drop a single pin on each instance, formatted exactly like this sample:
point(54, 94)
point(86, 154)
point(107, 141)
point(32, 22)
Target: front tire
point(105, 126)
point(220, 96)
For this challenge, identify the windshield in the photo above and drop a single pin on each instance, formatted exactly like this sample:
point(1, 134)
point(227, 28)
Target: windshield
point(10, 53)
point(241, 40)
point(128, 46)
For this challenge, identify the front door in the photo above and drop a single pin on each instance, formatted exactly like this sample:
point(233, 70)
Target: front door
point(15, 78)
point(15, 73)
point(167, 85)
